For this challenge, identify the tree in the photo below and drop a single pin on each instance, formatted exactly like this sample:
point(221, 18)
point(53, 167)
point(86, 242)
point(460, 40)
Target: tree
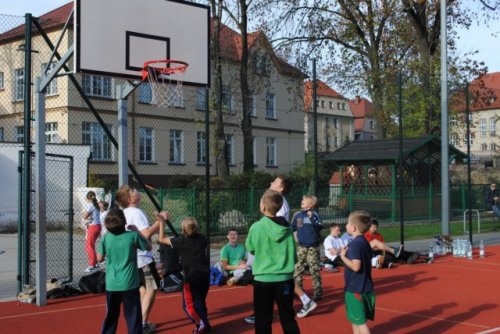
point(240, 18)
point(219, 136)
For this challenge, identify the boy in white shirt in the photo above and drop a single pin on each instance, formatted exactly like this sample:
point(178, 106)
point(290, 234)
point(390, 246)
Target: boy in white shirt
point(333, 245)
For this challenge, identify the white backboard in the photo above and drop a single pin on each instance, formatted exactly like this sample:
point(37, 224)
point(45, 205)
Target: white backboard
point(116, 37)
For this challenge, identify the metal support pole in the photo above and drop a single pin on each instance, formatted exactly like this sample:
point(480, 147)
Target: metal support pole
point(122, 137)
point(27, 147)
point(40, 198)
point(207, 168)
point(315, 125)
point(401, 171)
point(469, 179)
point(445, 187)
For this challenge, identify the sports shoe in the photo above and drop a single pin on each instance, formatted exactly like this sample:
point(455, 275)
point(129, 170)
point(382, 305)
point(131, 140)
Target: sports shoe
point(413, 257)
point(380, 261)
point(91, 269)
point(250, 319)
point(399, 251)
point(390, 265)
point(231, 281)
point(148, 328)
point(306, 309)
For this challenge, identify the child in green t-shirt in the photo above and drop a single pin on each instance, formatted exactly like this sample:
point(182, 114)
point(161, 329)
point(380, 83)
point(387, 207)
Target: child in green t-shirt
point(119, 248)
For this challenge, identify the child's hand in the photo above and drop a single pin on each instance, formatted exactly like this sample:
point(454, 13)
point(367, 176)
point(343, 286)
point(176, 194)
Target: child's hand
point(162, 215)
point(343, 251)
point(132, 228)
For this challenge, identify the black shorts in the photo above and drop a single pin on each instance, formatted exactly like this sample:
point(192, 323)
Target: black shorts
point(149, 277)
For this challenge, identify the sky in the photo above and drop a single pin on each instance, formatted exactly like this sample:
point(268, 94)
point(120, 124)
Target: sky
point(480, 37)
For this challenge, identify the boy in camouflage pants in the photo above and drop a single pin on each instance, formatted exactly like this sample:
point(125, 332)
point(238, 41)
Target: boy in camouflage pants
point(306, 226)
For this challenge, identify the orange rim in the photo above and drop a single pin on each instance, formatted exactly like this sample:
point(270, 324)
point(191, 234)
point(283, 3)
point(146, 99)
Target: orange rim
point(179, 67)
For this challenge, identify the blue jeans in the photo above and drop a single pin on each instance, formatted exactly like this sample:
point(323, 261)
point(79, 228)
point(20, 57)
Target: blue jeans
point(496, 210)
point(131, 300)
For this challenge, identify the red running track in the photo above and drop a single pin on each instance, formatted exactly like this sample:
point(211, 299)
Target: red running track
point(448, 296)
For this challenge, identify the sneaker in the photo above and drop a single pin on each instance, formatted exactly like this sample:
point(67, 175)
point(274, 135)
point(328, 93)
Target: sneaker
point(399, 251)
point(148, 328)
point(390, 265)
point(316, 296)
point(380, 261)
point(250, 319)
point(91, 269)
point(414, 257)
point(231, 281)
point(306, 309)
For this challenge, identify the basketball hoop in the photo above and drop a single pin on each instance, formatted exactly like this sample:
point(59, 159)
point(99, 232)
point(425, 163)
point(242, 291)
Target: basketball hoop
point(165, 78)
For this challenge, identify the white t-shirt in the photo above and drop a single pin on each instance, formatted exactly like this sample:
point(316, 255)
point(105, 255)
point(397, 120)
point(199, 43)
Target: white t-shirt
point(332, 242)
point(94, 214)
point(135, 216)
point(284, 211)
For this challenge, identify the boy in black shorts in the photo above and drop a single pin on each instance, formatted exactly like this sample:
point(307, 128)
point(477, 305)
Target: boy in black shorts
point(359, 293)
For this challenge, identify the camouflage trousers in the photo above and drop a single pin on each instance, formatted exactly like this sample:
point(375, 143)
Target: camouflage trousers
point(309, 256)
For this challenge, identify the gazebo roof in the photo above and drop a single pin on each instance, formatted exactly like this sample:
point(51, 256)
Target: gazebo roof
point(386, 150)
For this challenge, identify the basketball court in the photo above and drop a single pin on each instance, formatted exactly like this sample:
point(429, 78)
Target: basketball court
point(451, 295)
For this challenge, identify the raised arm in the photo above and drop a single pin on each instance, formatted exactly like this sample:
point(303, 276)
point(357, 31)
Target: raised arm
point(161, 218)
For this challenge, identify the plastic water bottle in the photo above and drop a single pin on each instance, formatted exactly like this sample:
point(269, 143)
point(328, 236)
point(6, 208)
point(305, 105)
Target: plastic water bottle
point(431, 251)
point(481, 249)
point(469, 250)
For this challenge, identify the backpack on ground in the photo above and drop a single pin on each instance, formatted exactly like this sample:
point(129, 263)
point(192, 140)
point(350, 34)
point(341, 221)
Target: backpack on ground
point(216, 276)
point(93, 283)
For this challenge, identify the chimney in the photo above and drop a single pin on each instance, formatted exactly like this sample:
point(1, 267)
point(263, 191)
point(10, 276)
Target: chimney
point(358, 99)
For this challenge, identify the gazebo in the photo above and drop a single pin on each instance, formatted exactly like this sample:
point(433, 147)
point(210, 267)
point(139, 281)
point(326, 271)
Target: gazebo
point(367, 177)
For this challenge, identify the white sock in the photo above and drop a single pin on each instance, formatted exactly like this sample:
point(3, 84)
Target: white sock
point(305, 299)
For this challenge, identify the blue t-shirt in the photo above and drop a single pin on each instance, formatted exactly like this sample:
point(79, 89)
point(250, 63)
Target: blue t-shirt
point(361, 281)
point(308, 229)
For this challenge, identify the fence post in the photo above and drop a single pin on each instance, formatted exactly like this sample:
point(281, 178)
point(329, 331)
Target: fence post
point(160, 190)
point(463, 201)
point(393, 193)
point(193, 201)
point(251, 199)
point(431, 213)
point(350, 197)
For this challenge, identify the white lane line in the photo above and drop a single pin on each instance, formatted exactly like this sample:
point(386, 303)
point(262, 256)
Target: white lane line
point(490, 331)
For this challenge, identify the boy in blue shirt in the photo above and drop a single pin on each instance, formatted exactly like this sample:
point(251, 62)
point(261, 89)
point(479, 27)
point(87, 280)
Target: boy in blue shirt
point(119, 248)
point(359, 293)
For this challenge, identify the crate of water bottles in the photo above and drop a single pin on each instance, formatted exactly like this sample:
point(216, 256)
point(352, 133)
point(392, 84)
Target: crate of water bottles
point(462, 248)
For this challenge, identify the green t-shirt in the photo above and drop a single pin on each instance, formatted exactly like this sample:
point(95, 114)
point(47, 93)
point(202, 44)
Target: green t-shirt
point(120, 252)
point(233, 255)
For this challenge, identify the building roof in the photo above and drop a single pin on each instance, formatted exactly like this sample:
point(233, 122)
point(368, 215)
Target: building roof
point(484, 94)
point(361, 107)
point(385, 150)
point(322, 90)
point(230, 39)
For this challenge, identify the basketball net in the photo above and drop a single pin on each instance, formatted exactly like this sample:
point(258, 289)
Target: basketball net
point(165, 78)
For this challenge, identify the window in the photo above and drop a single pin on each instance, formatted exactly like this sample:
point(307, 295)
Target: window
point(227, 100)
point(19, 134)
point(270, 106)
point(471, 139)
point(372, 125)
point(146, 145)
point(322, 103)
point(492, 126)
point(19, 84)
point(100, 145)
point(51, 134)
point(254, 150)
point(330, 104)
point(338, 106)
point(1, 81)
point(453, 139)
point(95, 85)
point(271, 151)
point(230, 149)
point(335, 123)
point(52, 87)
point(343, 106)
point(176, 152)
point(201, 99)
point(201, 153)
point(482, 127)
point(327, 120)
point(484, 147)
point(251, 105)
point(335, 141)
point(2, 138)
point(493, 147)
point(262, 65)
point(145, 93)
